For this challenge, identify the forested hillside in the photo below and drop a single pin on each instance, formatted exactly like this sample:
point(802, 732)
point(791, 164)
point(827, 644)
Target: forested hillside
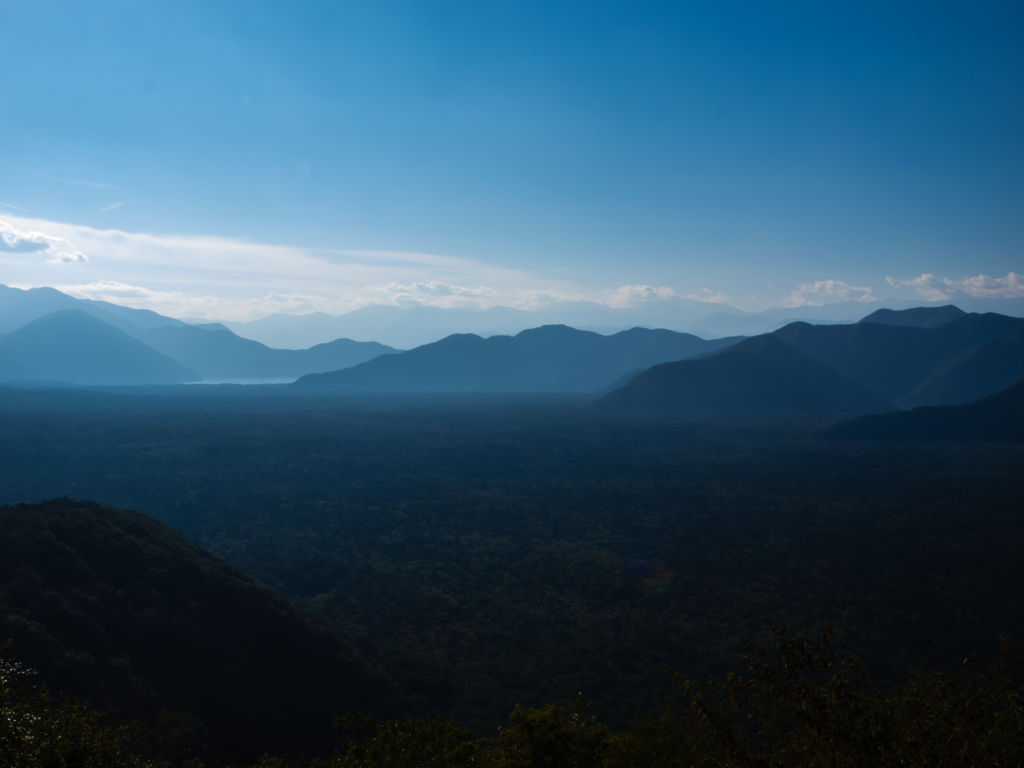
point(119, 609)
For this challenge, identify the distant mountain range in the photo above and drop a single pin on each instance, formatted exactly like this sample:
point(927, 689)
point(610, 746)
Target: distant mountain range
point(110, 605)
point(758, 375)
point(51, 336)
point(405, 328)
point(552, 358)
point(995, 417)
point(934, 355)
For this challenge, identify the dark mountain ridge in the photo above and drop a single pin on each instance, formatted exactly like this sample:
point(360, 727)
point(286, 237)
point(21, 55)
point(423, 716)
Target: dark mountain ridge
point(953, 363)
point(552, 358)
point(760, 375)
point(917, 317)
point(998, 417)
point(113, 606)
point(76, 347)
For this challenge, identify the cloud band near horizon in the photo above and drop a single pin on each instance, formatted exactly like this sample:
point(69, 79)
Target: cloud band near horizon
point(231, 279)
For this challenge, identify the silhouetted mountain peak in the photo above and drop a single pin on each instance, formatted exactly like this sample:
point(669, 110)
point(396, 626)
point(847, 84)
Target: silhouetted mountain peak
point(919, 317)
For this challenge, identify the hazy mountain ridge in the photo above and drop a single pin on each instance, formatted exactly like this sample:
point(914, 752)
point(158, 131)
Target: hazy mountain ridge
point(553, 358)
point(758, 375)
point(198, 351)
point(408, 327)
point(77, 347)
point(20, 307)
point(112, 605)
point(219, 353)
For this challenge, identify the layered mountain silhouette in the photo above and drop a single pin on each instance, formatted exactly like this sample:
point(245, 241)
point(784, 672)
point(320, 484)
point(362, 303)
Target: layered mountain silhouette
point(76, 347)
point(215, 352)
point(111, 605)
point(917, 317)
point(956, 362)
point(20, 307)
point(552, 358)
point(760, 375)
point(995, 417)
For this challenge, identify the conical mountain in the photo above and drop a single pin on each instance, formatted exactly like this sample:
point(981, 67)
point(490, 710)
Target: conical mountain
point(73, 346)
point(759, 375)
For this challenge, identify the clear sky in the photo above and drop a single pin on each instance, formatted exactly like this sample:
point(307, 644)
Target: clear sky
point(235, 158)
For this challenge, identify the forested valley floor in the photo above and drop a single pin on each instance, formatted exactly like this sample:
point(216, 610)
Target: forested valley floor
point(489, 552)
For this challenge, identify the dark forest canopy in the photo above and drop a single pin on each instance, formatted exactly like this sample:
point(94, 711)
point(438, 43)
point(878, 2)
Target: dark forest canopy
point(494, 551)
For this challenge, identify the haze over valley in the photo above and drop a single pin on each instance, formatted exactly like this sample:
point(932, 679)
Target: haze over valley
point(511, 385)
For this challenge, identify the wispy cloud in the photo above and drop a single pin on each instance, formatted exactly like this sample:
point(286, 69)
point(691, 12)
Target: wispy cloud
point(805, 295)
point(233, 279)
point(8, 205)
point(79, 183)
point(932, 288)
point(111, 207)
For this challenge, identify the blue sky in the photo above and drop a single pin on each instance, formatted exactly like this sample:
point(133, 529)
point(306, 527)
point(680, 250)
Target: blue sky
point(514, 153)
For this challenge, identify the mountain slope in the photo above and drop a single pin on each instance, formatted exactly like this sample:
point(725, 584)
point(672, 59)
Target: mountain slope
point(918, 317)
point(552, 358)
point(20, 307)
point(920, 366)
point(112, 605)
point(220, 354)
point(759, 375)
point(74, 346)
point(996, 417)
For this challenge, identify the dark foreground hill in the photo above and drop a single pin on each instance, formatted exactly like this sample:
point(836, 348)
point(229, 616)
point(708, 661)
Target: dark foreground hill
point(917, 317)
point(217, 353)
point(73, 346)
point(957, 362)
point(552, 358)
point(111, 605)
point(759, 375)
point(997, 417)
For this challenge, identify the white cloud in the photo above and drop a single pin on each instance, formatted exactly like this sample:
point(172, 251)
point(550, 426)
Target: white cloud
point(111, 207)
point(834, 289)
point(16, 241)
point(712, 298)
point(631, 295)
point(221, 278)
point(932, 288)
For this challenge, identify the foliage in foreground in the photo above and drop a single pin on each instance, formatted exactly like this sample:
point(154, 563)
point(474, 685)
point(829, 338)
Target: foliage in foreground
point(38, 732)
point(799, 704)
